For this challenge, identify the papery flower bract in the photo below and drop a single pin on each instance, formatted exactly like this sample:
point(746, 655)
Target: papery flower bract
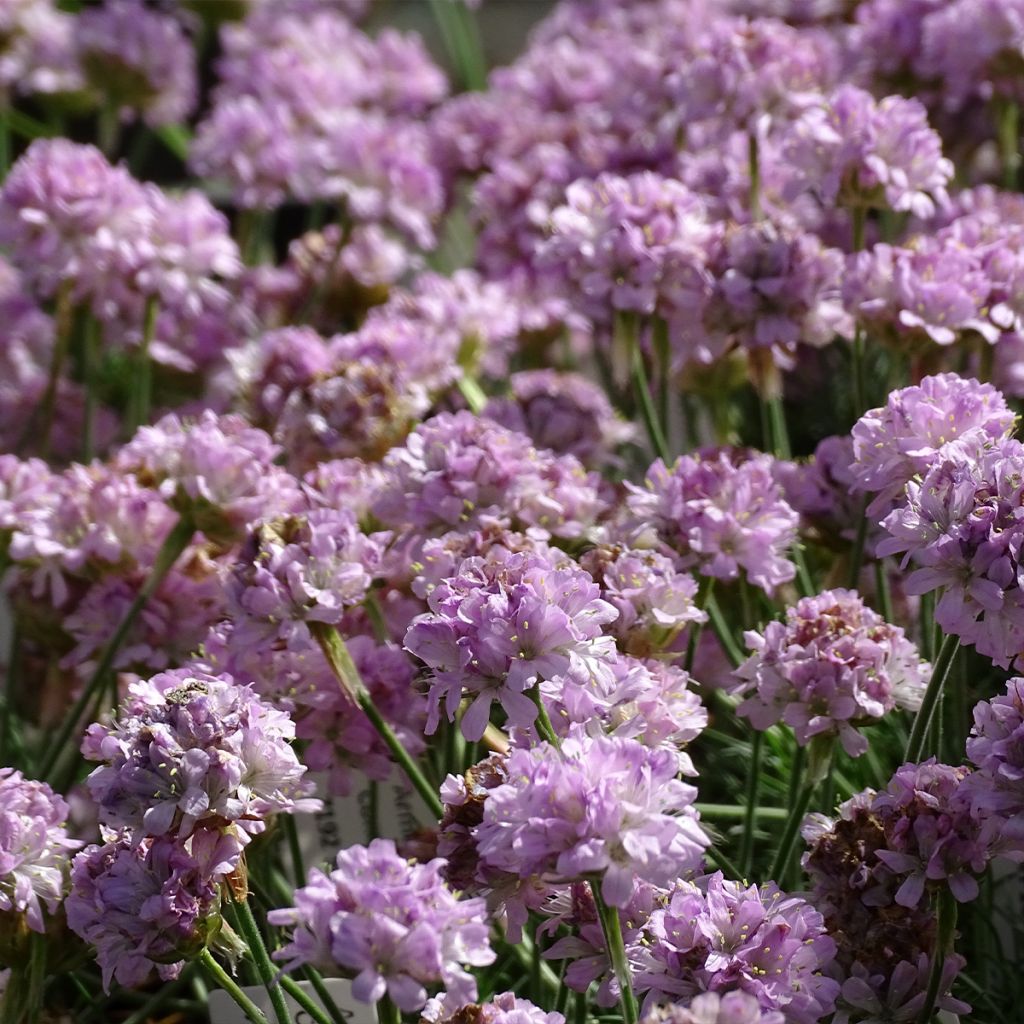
point(833, 665)
point(189, 749)
point(392, 924)
point(34, 847)
point(604, 807)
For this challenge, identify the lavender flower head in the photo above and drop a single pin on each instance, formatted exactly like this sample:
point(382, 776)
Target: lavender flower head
point(499, 626)
point(458, 470)
point(721, 936)
point(630, 245)
point(391, 924)
point(902, 439)
point(564, 412)
point(773, 288)
point(723, 514)
point(58, 198)
point(599, 806)
point(34, 848)
point(856, 152)
point(832, 666)
point(149, 905)
point(736, 1007)
point(931, 838)
point(503, 1008)
point(189, 749)
point(305, 569)
point(217, 469)
point(138, 59)
point(653, 598)
point(996, 788)
point(961, 526)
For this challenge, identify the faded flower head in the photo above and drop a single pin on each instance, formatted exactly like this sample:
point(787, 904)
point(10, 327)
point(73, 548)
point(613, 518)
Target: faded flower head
point(736, 1007)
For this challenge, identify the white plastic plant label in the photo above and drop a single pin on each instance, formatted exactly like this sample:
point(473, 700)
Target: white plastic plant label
point(224, 1010)
point(390, 810)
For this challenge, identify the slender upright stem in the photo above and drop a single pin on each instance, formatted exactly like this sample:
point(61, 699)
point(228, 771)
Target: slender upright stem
point(170, 551)
point(1009, 144)
point(726, 866)
point(313, 977)
point(612, 928)
point(940, 672)
point(642, 389)
point(269, 974)
point(754, 166)
point(224, 980)
point(294, 989)
point(294, 849)
point(859, 388)
point(61, 344)
point(462, 41)
point(750, 810)
point(857, 551)
point(707, 586)
point(803, 788)
point(142, 394)
point(724, 634)
point(544, 726)
point(945, 913)
point(387, 1012)
point(338, 657)
point(471, 391)
point(90, 368)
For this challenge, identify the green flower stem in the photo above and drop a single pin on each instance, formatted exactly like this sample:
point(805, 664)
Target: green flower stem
point(737, 812)
point(859, 389)
point(750, 810)
point(333, 1010)
point(800, 798)
point(63, 317)
point(224, 980)
point(90, 368)
point(724, 634)
point(170, 551)
point(471, 391)
point(269, 974)
point(642, 390)
point(544, 726)
point(291, 833)
point(1009, 144)
point(612, 928)
point(706, 589)
point(940, 672)
point(857, 552)
point(387, 1012)
point(310, 1006)
point(338, 657)
point(142, 394)
point(462, 41)
point(945, 913)
point(726, 866)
